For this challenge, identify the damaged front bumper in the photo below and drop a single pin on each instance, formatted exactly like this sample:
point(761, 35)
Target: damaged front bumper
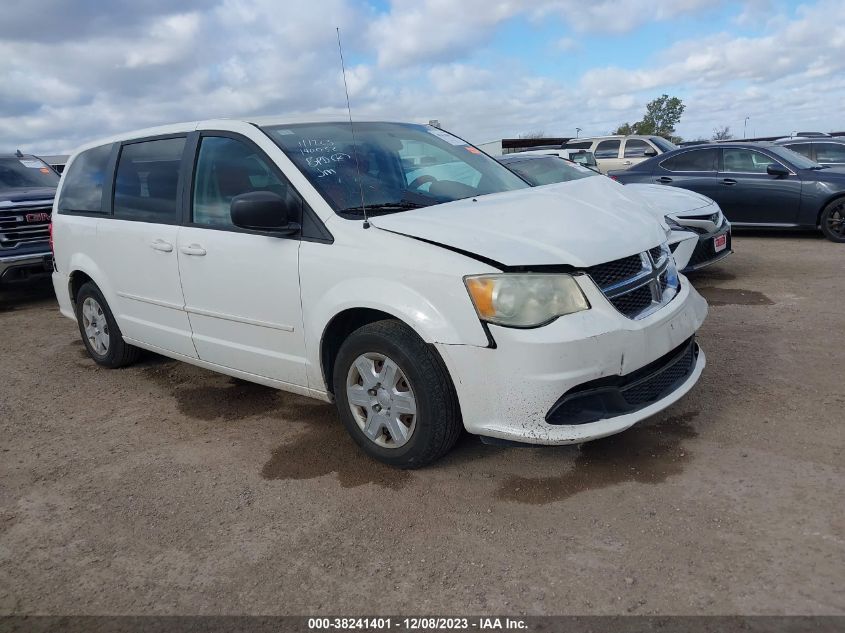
point(515, 391)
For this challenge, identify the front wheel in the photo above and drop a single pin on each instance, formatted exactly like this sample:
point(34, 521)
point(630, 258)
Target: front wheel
point(833, 221)
point(394, 395)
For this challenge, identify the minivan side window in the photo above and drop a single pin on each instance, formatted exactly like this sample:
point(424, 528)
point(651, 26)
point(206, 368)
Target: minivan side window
point(146, 185)
point(82, 191)
point(693, 160)
point(607, 149)
point(226, 168)
point(636, 148)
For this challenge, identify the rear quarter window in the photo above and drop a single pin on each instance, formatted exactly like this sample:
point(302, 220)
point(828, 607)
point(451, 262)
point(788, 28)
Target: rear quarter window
point(693, 160)
point(82, 191)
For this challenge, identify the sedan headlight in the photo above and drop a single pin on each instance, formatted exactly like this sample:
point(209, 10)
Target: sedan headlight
point(673, 224)
point(524, 299)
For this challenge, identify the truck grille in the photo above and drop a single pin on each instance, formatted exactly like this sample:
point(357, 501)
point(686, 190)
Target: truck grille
point(640, 284)
point(24, 225)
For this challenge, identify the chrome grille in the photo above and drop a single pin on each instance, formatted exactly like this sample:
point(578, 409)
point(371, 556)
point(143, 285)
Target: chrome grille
point(640, 284)
point(24, 225)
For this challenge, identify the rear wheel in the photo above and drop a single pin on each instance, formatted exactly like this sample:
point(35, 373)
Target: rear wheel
point(100, 332)
point(395, 396)
point(833, 221)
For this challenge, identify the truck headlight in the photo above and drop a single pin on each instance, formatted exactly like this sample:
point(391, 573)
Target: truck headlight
point(524, 299)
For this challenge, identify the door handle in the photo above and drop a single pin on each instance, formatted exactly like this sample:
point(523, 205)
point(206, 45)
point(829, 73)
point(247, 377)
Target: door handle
point(728, 181)
point(664, 179)
point(161, 245)
point(627, 162)
point(193, 249)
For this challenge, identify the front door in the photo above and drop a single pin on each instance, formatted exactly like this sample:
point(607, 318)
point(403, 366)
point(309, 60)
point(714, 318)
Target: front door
point(139, 246)
point(748, 194)
point(241, 287)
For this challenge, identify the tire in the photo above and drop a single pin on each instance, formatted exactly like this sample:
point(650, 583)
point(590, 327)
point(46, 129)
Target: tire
point(101, 334)
point(833, 221)
point(436, 423)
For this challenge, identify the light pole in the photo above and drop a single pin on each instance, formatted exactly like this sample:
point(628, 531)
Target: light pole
point(577, 131)
point(744, 128)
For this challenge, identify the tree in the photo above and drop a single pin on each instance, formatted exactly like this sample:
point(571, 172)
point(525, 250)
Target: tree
point(661, 116)
point(722, 133)
point(534, 134)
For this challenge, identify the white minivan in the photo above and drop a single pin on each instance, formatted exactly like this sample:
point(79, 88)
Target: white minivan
point(394, 269)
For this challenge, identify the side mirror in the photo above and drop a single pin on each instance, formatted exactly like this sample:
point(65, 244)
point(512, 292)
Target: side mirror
point(263, 211)
point(775, 169)
point(650, 152)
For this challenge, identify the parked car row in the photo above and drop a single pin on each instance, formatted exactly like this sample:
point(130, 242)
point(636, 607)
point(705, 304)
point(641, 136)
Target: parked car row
point(755, 184)
point(398, 271)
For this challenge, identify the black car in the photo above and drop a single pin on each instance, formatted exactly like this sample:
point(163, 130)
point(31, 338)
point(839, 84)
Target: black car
point(755, 184)
point(27, 188)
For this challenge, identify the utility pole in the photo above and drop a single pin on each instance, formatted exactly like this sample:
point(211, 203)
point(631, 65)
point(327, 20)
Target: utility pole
point(744, 128)
point(577, 131)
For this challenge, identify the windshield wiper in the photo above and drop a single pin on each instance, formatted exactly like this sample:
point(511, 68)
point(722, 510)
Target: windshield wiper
point(399, 205)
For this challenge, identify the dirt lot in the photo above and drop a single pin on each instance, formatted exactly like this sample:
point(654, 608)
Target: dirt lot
point(163, 488)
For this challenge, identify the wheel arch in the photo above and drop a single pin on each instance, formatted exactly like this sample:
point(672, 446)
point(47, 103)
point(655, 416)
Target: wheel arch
point(338, 329)
point(82, 269)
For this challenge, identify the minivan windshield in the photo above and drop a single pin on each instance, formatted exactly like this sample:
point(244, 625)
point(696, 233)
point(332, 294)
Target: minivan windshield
point(27, 172)
point(399, 165)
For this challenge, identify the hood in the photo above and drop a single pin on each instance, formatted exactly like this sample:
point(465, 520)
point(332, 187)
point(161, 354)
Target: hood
point(15, 196)
point(670, 200)
point(580, 223)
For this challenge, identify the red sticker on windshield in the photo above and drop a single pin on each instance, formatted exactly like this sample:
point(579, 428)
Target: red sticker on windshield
point(474, 150)
point(44, 170)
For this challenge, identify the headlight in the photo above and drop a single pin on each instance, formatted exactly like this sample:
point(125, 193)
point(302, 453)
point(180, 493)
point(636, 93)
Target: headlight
point(673, 224)
point(524, 300)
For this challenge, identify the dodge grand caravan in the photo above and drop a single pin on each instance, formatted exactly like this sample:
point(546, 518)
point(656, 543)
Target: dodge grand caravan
point(397, 271)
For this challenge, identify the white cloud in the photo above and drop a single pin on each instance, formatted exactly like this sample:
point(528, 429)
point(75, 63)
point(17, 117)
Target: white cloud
point(197, 59)
point(614, 16)
point(419, 31)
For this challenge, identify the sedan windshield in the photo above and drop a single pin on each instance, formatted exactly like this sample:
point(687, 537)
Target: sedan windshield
point(663, 144)
point(392, 166)
point(547, 170)
point(26, 173)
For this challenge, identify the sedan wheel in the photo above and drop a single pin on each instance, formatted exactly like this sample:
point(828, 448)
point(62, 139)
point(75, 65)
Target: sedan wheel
point(833, 221)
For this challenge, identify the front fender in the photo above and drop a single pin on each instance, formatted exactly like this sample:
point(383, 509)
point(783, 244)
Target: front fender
point(456, 324)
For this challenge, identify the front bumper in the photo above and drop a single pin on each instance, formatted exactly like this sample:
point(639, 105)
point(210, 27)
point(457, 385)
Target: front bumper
point(24, 268)
point(507, 392)
point(704, 253)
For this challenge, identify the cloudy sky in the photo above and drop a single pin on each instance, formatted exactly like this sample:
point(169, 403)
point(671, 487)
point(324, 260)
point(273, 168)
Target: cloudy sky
point(72, 71)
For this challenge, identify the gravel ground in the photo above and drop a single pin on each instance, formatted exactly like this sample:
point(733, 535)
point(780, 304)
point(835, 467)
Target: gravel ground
point(167, 489)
